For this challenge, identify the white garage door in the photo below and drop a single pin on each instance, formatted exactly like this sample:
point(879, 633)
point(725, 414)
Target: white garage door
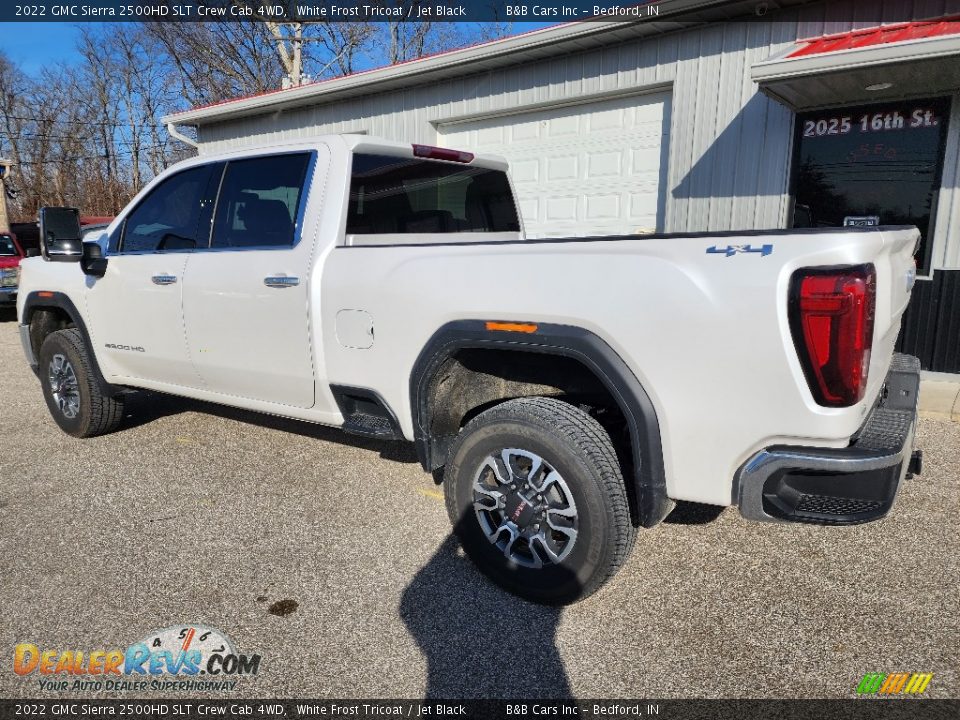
point(593, 169)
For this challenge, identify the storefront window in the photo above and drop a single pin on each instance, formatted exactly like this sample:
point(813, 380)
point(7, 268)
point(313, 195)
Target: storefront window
point(871, 165)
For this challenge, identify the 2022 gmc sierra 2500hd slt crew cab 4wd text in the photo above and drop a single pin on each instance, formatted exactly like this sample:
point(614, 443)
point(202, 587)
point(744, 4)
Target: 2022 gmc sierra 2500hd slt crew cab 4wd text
point(569, 389)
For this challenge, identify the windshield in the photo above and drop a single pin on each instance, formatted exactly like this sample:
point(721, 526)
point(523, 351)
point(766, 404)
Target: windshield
point(7, 248)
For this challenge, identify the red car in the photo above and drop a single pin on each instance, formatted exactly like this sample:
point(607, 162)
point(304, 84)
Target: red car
point(10, 256)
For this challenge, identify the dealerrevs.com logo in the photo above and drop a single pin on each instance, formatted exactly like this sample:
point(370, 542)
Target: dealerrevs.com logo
point(181, 657)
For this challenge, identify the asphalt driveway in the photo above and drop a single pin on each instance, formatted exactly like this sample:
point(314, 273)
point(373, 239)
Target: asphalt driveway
point(330, 557)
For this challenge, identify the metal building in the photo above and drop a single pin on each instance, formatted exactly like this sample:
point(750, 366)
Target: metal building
point(711, 115)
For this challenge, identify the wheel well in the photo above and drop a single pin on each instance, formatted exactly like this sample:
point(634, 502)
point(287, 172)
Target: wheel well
point(466, 367)
point(46, 320)
point(472, 380)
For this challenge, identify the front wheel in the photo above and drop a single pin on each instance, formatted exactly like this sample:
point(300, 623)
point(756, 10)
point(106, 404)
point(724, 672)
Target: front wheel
point(535, 493)
point(74, 398)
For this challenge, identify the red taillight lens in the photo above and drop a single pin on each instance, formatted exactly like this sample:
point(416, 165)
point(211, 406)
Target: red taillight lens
point(831, 317)
point(435, 153)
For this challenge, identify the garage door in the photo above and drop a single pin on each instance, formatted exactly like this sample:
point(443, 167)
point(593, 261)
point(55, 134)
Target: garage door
point(593, 169)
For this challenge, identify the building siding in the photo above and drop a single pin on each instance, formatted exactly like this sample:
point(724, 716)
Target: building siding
point(730, 145)
point(713, 99)
point(946, 248)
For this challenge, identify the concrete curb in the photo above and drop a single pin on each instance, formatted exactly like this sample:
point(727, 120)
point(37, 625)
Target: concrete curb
point(940, 396)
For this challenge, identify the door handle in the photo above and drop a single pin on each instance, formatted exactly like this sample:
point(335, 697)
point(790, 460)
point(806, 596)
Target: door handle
point(281, 281)
point(164, 279)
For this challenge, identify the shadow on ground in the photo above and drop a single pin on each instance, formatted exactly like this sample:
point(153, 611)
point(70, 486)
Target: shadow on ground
point(480, 641)
point(146, 407)
point(690, 513)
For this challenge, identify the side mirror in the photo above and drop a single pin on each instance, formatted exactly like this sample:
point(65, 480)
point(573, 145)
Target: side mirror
point(92, 261)
point(60, 234)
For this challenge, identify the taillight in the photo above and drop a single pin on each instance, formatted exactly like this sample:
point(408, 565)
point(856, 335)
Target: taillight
point(831, 318)
point(436, 153)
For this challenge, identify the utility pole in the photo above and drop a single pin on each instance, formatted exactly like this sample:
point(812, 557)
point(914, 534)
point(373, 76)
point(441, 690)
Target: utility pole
point(5, 166)
point(296, 70)
point(290, 57)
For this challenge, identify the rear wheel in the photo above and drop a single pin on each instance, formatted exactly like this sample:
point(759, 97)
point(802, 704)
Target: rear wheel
point(537, 498)
point(74, 398)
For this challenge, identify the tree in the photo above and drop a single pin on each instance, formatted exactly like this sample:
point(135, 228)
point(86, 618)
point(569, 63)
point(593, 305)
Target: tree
point(218, 60)
point(90, 135)
point(13, 84)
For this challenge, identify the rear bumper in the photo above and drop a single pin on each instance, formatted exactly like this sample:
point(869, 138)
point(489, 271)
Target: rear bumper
point(840, 486)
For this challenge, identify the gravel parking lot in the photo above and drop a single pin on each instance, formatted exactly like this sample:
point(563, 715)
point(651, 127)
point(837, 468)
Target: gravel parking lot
point(194, 513)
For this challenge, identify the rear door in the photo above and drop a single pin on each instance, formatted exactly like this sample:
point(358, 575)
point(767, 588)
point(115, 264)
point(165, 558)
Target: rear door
point(246, 298)
point(135, 311)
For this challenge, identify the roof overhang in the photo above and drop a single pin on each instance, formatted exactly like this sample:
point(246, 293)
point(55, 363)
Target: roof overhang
point(436, 67)
point(529, 47)
point(805, 80)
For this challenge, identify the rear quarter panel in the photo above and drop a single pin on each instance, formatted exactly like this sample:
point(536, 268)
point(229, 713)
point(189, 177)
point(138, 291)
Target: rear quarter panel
point(707, 335)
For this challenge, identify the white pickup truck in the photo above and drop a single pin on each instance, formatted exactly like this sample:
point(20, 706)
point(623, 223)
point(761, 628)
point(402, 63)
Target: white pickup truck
point(569, 389)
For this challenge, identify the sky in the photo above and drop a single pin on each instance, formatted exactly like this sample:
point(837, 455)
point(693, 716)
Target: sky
point(34, 45)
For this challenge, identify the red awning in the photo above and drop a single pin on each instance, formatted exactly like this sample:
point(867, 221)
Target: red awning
point(877, 36)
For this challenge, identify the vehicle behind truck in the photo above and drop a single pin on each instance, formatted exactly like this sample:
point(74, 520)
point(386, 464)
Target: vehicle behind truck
point(11, 254)
point(568, 391)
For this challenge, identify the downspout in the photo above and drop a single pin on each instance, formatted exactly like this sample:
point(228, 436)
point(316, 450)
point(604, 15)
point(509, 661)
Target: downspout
point(176, 134)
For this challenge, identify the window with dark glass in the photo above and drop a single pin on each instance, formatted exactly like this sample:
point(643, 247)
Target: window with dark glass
point(169, 218)
point(402, 195)
point(259, 200)
point(871, 165)
point(7, 247)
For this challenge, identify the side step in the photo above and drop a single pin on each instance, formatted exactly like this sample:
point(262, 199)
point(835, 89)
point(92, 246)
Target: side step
point(366, 413)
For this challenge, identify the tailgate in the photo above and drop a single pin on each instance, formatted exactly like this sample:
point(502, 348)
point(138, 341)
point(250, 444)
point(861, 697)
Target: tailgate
point(899, 247)
point(896, 274)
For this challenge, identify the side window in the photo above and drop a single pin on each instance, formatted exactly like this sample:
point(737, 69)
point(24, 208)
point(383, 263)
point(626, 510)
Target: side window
point(258, 202)
point(401, 195)
point(169, 218)
point(7, 248)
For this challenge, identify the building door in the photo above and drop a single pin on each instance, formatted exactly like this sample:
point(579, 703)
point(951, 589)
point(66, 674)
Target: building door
point(882, 165)
point(597, 168)
point(871, 165)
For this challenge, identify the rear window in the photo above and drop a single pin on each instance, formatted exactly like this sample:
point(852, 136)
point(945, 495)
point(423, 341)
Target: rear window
point(402, 195)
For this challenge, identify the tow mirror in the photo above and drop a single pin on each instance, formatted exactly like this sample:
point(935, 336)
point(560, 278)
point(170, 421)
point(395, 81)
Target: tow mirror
point(92, 261)
point(60, 234)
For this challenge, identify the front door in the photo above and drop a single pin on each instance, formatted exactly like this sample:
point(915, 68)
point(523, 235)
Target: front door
point(246, 300)
point(135, 308)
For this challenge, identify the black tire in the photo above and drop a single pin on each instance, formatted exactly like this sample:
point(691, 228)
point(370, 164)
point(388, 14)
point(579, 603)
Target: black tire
point(88, 412)
point(573, 444)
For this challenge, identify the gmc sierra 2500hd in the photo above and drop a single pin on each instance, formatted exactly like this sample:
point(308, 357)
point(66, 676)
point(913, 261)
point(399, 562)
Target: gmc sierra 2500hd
point(569, 389)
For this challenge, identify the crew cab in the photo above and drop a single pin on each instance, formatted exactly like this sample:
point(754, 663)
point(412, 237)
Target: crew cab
point(567, 390)
point(11, 254)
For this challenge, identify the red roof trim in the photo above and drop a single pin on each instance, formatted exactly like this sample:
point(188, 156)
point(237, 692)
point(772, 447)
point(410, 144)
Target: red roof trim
point(883, 35)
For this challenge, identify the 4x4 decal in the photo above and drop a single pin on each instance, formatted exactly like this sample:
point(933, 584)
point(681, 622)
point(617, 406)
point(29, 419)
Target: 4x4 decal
point(731, 250)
